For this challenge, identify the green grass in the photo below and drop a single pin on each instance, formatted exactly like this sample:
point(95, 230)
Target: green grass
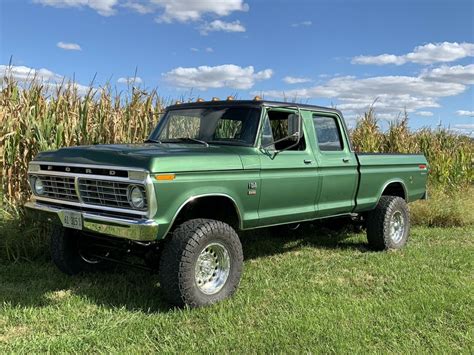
point(319, 291)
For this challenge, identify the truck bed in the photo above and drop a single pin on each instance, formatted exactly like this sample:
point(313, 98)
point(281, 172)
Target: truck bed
point(409, 170)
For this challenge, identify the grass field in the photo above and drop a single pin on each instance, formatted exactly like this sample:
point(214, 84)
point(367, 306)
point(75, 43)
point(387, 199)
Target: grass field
point(318, 291)
point(314, 291)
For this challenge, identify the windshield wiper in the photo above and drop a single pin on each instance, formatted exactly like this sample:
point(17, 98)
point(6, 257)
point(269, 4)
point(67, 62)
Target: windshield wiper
point(189, 139)
point(150, 140)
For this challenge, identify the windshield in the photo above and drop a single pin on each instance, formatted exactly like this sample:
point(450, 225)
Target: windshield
point(213, 125)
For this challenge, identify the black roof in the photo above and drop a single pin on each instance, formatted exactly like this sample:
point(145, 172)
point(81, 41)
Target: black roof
point(250, 103)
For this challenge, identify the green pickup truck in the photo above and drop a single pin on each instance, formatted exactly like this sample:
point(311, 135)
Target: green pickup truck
point(176, 202)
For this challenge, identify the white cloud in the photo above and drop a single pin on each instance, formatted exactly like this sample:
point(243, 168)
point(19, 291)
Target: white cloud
point(456, 74)
point(207, 49)
point(302, 23)
point(130, 80)
point(193, 10)
point(69, 46)
point(218, 25)
point(465, 113)
point(103, 7)
point(228, 75)
point(393, 93)
point(465, 129)
point(140, 7)
point(465, 126)
point(295, 80)
point(379, 60)
point(424, 113)
point(25, 75)
point(427, 54)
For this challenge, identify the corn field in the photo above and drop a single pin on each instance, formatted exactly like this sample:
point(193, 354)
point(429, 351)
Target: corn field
point(34, 119)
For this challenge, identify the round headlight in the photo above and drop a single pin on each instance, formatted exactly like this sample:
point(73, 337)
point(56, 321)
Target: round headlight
point(38, 186)
point(136, 197)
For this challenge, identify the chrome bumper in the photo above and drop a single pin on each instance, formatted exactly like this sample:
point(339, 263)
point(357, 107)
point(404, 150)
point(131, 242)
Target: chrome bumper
point(141, 230)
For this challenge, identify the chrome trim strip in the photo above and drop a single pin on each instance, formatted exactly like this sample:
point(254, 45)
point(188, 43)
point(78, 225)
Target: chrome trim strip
point(84, 176)
point(76, 187)
point(85, 205)
point(142, 230)
point(112, 167)
point(151, 197)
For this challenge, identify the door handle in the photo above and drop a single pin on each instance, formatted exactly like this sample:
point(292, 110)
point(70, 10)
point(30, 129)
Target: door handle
point(345, 160)
point(308, 161)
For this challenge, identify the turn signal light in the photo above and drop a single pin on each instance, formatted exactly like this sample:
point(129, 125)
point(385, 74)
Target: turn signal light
point(165, 177)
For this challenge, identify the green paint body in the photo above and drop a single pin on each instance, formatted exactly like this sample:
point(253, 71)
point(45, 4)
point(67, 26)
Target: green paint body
point(291, 186)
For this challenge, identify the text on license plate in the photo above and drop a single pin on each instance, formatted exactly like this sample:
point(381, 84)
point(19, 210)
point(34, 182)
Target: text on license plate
point(72, 220)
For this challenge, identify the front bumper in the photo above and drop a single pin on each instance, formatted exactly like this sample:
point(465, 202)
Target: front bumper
point(140, 230)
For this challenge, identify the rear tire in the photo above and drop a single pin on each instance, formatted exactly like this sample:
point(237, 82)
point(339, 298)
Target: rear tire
point(201, 263)
point(388, 225)
point(66, 252)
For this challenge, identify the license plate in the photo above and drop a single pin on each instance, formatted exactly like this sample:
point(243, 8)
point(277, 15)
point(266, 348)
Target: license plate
point(72, 220)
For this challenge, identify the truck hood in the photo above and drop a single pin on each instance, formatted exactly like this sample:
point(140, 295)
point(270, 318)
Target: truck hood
point(153, 157)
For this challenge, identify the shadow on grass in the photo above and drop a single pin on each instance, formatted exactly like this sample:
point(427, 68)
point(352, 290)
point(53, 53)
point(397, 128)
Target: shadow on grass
point(329, 234)
point(39, 284)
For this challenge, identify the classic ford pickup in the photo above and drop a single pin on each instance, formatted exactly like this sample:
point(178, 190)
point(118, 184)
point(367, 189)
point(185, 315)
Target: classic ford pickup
point(207, 171)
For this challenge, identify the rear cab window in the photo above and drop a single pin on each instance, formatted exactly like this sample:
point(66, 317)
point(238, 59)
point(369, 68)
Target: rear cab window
point(328, 133)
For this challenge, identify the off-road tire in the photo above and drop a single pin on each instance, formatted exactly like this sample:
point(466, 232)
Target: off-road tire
point(179, 257)
point(378, 223)
point(65, 254)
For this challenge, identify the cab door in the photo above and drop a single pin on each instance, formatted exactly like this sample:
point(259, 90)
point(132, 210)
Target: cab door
point(289, 175)
point(337, 166)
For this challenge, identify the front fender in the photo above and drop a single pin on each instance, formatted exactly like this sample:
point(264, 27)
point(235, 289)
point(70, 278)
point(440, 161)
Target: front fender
point(173, 195)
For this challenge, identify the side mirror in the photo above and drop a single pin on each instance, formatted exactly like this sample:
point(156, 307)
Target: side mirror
point(294, 127)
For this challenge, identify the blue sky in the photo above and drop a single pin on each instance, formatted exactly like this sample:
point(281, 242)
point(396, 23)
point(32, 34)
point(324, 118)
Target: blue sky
point(414, 54)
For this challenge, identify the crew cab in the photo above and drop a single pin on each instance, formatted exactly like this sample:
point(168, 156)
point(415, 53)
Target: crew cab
point(207, 171)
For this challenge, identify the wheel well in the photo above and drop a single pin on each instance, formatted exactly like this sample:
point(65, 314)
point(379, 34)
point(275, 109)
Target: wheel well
point(220, 208)
point(395, 189)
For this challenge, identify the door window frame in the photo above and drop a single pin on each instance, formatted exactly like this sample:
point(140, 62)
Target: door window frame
point(346, 146)
point(289, 109)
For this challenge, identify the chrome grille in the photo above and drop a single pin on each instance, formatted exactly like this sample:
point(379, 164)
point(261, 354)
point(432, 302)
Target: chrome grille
point(58, 187)
point(106, 193)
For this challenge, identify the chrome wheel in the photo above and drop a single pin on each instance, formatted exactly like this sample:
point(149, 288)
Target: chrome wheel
point(212, 268)
point(397, 227)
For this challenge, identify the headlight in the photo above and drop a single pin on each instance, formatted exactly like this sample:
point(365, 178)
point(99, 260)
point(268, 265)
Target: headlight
point(136, 197)
point(38, 186)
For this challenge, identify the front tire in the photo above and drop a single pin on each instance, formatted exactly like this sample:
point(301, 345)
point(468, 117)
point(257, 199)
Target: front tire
point(388, 225)
point(201, 264)
point(67, 253)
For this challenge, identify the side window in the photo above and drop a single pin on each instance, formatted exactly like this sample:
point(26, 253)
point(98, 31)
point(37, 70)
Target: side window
point(327, 133)
point(279, 129)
